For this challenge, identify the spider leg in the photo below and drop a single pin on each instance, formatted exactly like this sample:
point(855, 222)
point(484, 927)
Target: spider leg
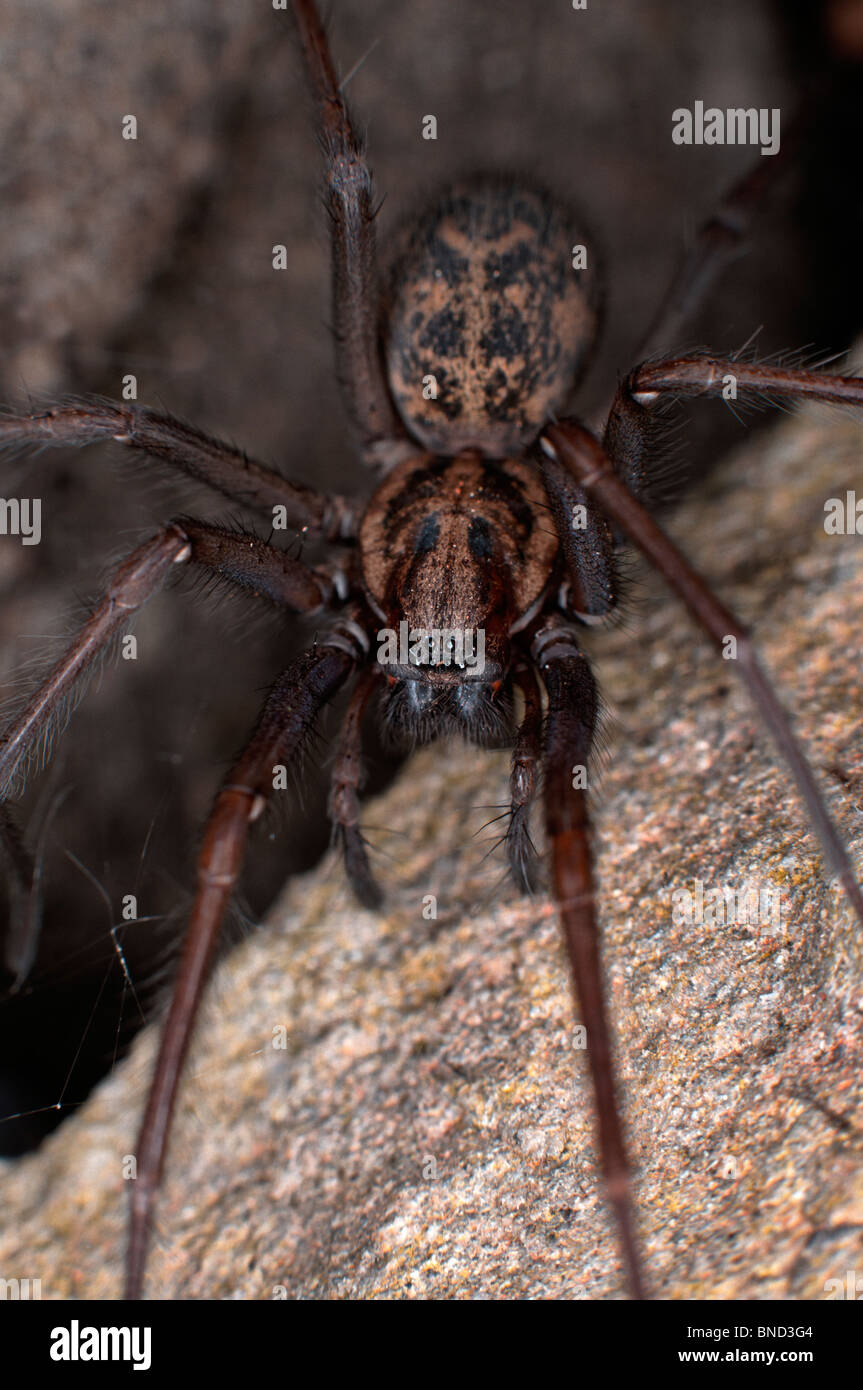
point(210, 461)
point(344, 793)
point(699, 374)
point(570, 727)
point(133, 581)
point(718, 240)
point(245, 560)
point(631, 434)
point(286, 718)
point(354, 268)
point(258, 568)
point(586, 541)
point(590, 464)
point(523, 779)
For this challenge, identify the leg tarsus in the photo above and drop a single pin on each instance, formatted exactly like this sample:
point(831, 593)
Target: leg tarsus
point(700, 374)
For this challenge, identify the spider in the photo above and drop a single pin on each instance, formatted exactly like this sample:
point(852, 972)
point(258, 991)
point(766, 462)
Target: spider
point(488, 543)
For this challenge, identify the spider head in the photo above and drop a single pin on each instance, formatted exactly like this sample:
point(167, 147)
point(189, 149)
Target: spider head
point(445, 680)
point(423, 705)
point(452, 557)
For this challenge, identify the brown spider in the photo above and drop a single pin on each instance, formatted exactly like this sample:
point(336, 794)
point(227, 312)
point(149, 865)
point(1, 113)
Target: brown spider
point(456, 592)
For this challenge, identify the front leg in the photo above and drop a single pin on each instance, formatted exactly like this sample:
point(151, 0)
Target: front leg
point(589, 463)
point(569, 736)
point(279, 737)
point(243, 560)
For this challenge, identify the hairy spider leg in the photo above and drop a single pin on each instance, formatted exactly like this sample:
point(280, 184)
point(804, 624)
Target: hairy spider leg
point(594, 469)
point(279, 736)
point(207, 460)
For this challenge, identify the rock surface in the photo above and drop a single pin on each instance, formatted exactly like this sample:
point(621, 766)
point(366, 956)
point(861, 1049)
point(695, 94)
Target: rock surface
point(154, 257)
point(427, 1131)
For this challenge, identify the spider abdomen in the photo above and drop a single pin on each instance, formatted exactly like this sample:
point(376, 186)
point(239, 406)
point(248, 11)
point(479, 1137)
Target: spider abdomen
point(492, 309)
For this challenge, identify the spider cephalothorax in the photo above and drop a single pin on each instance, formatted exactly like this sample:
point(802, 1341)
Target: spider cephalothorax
point(486, 543)
point(457, 547)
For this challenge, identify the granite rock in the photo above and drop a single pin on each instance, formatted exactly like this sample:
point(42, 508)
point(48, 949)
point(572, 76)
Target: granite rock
point(394, 1105)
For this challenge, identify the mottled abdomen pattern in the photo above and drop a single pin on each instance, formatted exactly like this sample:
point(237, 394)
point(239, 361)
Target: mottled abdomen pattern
point(488, 323)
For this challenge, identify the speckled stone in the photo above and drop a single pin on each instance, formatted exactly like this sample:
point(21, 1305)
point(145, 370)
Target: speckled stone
point(427, 1131)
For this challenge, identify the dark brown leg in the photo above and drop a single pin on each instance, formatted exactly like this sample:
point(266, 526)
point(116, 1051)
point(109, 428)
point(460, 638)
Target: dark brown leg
point(717, 241)
point(523, 779)
point(344, 795)
point(630, 439)
point(590, 464)
point(355, 287)
point(632, 429)
point(251, 564)
point(207, 460)
point(701, 375)
point(244, 560)
point(131, 584)
point(570, 727)
point(286, 719)
point(586, 541)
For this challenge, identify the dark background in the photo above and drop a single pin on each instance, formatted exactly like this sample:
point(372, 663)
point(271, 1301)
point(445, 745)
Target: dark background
point(154, 257)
